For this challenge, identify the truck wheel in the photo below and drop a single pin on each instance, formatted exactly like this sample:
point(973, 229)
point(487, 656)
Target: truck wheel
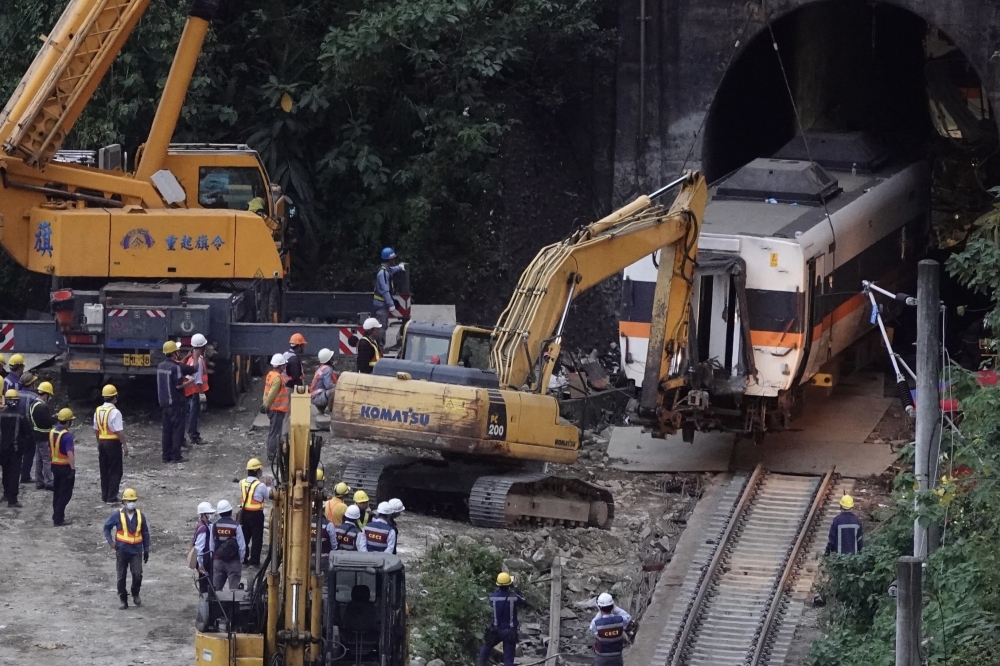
point(224, 387)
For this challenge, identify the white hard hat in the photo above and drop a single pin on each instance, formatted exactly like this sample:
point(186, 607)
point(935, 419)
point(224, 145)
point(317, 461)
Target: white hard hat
point(371, 323)
point(384, 508)
point(223, 506)
point(325, 355)
point(278, 360)
point(198, 340)
point(605, 600)
point(353, 512)
point(396, 506)
point(205, 507)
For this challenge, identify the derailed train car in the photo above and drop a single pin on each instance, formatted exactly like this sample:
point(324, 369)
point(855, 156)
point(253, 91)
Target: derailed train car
point(784, 247)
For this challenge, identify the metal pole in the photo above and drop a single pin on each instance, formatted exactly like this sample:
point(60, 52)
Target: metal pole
point(909, 604)
point(928, 404)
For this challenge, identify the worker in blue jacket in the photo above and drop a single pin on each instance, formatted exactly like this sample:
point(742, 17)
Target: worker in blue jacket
point(504, 602)
point(127, 532)
point(846, 535)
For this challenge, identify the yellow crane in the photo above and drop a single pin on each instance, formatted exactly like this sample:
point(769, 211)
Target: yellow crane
point(490, 417)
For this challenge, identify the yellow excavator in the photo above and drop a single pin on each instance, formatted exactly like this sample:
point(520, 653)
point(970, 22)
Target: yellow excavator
point(482, 403)
point(296, 611)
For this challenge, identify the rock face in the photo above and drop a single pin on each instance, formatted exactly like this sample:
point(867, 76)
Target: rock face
point(434, 662)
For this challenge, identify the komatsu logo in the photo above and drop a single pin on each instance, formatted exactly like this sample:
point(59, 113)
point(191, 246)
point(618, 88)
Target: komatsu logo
point(395, 415)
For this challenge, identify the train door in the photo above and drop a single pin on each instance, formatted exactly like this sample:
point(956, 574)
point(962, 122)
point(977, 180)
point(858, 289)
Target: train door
point(718, 314)
point(820, 308)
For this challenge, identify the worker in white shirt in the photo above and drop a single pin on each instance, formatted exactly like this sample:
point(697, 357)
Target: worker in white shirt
point(111, 445)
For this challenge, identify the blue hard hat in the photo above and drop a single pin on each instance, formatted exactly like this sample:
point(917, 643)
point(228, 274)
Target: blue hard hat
point(388, 253)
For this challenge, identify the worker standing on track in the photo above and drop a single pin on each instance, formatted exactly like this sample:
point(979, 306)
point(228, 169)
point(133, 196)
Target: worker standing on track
point(12, 380)
point(202, 543)
point(15, 440)
point(62, 453)
point(276, 404)
point(127, 532)
point(110, 433)
point(361, 501)
point(334, 508)
point(253, 494)
point(382, 298)
point(195, 392)
point(369, 346)
point(504, 602)
point(379, 535)
point(846, 536)
point(350, 536)
point(608, 627)
point(228, 548)
point(324, 381)
point(171, 383)
point(293, 360)
point(42, 423)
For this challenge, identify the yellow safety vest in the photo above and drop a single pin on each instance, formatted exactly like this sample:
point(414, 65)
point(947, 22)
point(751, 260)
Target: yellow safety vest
point(55, 440)
point(378, 353)
point(123, 535)
point(247, 491)
point(103, 416)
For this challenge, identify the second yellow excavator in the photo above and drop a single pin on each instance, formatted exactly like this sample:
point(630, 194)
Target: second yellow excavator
point(486, 410)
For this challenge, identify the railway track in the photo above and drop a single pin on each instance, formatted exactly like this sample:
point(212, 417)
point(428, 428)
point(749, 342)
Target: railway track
point(737, 600)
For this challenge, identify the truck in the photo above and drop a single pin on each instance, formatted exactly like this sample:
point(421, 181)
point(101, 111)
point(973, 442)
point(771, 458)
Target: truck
point(193, 239)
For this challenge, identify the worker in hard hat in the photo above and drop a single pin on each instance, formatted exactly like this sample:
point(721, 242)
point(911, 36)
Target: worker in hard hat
point(326, 530)
point(385, 287)
point(379, 534)
point(324, 381)
point(336, 506)
point(395, 509)
point(608, 628)
point(12, 380)
point(257, 205)
point(254, 491)
point(40, 416)
point(369, 346)
point(28, 395)
point(293, 359)
point(276, 403)
point(111, 445)
point(3, 366)
point(361, 501)
point(351, 535)
point(202, 544)
point(195, 391)
point(15, 442)
point(228, 548)
point(127, 532)
point(172, 378)
point(504, 602)
point(62, 454)
point(846, 535)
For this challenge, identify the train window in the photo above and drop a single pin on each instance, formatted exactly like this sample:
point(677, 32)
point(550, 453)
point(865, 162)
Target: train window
point(231, 187)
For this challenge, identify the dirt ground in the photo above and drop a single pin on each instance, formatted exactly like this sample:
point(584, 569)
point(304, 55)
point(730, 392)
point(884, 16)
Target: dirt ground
point(58, 603)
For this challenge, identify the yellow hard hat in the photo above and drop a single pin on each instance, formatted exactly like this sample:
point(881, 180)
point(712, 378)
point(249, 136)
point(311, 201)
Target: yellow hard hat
point(129, 495)
point(11, 394)
point(16, 359)
point(254, 464)
point(46, 387)
point(169, 347)
point(256, 205)
point(846, 502)
point(65, 414)
point(503, 578)
point(360, 496)
point(3, 360)
point(319, 475)
point(342, 489)
point(109, 391)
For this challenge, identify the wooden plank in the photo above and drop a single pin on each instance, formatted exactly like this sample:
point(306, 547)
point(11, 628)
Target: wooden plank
point(555, 607)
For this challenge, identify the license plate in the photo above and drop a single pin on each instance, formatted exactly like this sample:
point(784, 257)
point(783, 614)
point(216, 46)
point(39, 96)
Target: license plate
point(84, 365)
point(136, 360)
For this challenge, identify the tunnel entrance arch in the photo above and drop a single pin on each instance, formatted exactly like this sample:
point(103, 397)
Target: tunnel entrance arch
point(849, 65)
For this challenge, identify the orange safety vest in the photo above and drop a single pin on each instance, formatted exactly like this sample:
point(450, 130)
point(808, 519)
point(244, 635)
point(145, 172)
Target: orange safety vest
point(247, 491)
point(318, 375)
point(103, 416)
point(192, 389)
point(378, 353)
point(280, 403)
point(330, 508)
point(55, 440)
point(123, 535)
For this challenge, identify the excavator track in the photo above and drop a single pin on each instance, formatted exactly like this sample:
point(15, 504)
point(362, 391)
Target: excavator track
point(519, 499)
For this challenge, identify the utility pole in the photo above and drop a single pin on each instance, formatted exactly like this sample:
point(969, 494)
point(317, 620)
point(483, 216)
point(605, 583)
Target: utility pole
point(909, 605)
point(928, 402)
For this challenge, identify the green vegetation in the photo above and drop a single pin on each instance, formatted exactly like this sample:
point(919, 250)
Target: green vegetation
point(961, 579)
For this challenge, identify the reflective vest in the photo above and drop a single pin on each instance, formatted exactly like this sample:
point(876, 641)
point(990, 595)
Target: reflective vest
point(192, 389)
point(123, 535)
point(377, 532)
point(610, 634)
point(280, 403)
point(329, 510)
point(225, 545)
point(377, 353)
point(103, 416)
point(392, 286)
point(347, 536)
point(320, 372)
point(247, 489)
point(326, 546)
point(31, 415)
point(55, 441)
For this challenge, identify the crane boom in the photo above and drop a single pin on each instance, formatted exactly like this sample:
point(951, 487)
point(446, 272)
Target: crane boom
point(528, 335)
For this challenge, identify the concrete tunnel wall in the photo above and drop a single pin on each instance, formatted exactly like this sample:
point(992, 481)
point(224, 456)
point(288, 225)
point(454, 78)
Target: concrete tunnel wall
point(688, 44)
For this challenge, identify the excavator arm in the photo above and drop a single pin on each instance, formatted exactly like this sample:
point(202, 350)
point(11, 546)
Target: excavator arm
point(528, 335)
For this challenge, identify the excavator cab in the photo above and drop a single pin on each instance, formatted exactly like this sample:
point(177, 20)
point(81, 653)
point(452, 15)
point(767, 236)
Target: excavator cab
point(466, 346)
point(365, 618)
